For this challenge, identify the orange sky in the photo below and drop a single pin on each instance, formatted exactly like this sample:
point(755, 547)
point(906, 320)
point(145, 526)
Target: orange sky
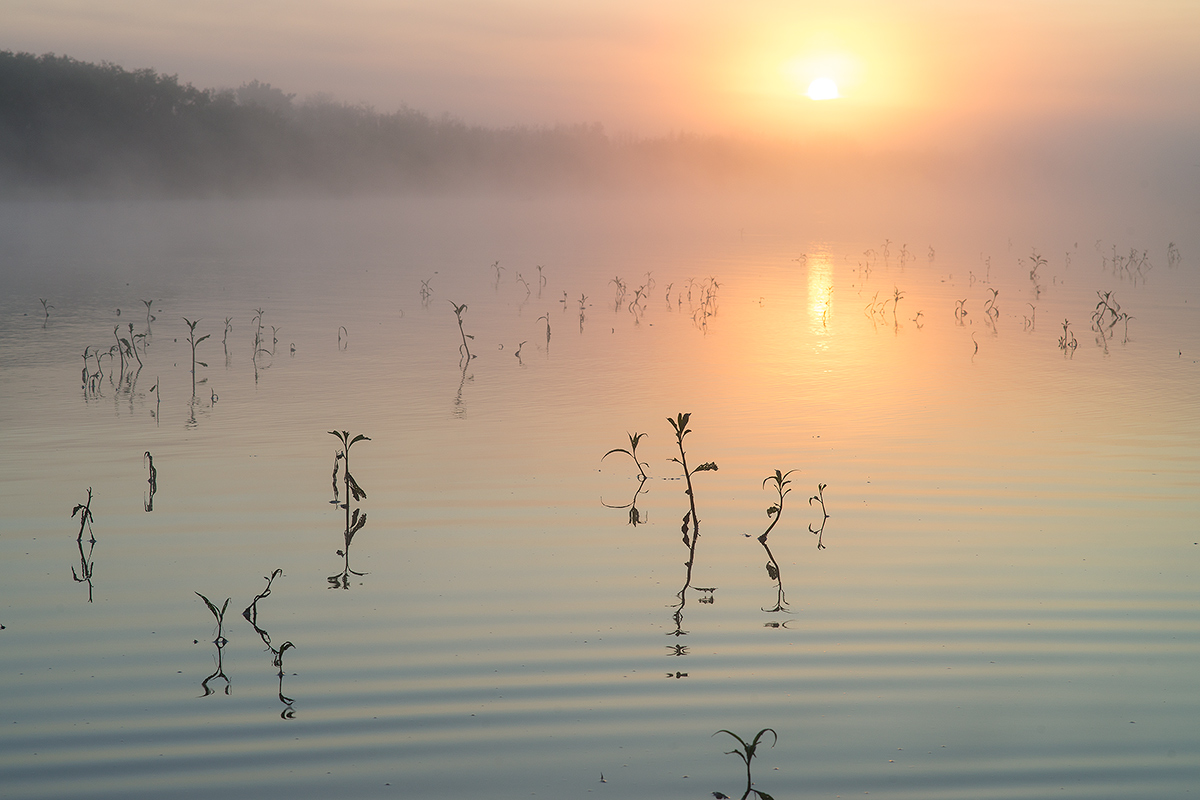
point(908, 72)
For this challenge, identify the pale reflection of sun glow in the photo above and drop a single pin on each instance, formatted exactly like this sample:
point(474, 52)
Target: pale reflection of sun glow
point(820, 292)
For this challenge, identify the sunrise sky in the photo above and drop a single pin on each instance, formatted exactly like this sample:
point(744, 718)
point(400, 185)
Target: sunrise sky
point(907, 72)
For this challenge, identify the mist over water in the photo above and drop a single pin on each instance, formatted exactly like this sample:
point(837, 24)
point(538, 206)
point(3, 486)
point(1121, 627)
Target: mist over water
point(499, 400)
point(1003, 606)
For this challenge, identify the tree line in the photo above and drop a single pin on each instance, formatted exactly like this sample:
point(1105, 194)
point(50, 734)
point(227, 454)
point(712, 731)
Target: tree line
point(81, 127)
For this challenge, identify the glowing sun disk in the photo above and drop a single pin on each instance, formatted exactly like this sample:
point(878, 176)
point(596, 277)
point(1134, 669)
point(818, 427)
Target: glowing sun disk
point(823, 89)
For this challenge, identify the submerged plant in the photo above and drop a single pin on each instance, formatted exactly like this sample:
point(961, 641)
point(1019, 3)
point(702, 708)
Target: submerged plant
point(820, 498)
point(746, 753)
point(86, 564)
point(157, 399)
point(352, 488)
point(85, 518)
point(634, 438)
point(707, 306)
point(148, 504)
point(989, 305)
point(546, 318)
point(356, 521)
point(258, 331)
point(149, 316)
point(251, 615)
point(220, 641)
point(218, 614)
point(775, 512)
point(464, 349)
point(960, 310)
point(46, 308)
point(1067, 342)
point(1173, 257)
point(680, 426)
point(635, 516)
point(619, 296)
point(690, 527)
point(193, 341)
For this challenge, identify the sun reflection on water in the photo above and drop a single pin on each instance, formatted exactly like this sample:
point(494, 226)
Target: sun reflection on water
point(820, 294)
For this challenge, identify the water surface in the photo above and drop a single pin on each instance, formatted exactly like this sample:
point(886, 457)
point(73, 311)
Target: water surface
point(1005, 606)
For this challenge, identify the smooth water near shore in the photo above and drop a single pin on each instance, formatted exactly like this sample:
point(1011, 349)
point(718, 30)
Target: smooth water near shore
point(1006, 605)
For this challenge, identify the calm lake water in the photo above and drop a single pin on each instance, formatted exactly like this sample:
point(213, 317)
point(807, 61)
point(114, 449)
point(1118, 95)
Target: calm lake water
point(1007, 604)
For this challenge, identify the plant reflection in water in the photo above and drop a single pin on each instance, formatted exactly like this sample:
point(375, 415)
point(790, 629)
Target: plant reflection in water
point(219, 642)
point(148, 500)
point(251, 615)
point(690, 529)
point(635, 517)
point(354, 522)
point(86, 564)
point(775, 512)
point(819, 532)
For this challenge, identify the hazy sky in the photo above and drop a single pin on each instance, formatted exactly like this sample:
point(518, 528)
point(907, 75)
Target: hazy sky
point(908, 71)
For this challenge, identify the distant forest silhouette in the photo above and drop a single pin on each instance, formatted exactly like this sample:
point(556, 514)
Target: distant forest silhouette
point(81, 128)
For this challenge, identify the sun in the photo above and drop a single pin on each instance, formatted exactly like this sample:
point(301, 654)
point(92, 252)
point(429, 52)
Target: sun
point(823, 89)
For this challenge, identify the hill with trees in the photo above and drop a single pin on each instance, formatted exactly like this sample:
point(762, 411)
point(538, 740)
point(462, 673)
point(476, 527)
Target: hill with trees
point(68, 126)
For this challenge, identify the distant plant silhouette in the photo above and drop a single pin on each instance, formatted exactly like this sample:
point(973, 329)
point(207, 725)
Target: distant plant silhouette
point(1105, 317)
point(46, 308)
point(157, 400)
point(1038, 262)
point(960, 310)
point(1173, 257)
point(1067, 342)
point(707, 305)
point(746, 753)
point(619, 296)
point(464, 349)
point(546, 319)
point(193, 341)
point(149, 316)
point(989, 305)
